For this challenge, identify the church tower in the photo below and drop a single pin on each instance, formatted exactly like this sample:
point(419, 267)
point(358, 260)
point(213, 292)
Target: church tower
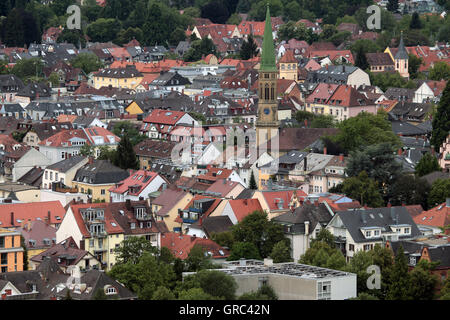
point(267, 124)
point(401, 59)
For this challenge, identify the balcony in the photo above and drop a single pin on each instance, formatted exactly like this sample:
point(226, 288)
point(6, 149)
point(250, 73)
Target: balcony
point(190, 221)
point(192, 209)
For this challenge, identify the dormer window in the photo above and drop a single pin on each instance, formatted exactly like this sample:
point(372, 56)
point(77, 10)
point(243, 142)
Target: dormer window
point(368, 234)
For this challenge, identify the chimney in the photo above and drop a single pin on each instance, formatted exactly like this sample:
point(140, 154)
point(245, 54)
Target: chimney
point(12, 219)
point(305, 163)
point(59, 94)
point(400, 151)
point(28, 225)
point(90, 160)
point(268, 262)
point(389, 204)
point(341, 157)
point(324, 150)
point(306, 123)
point(316, 203)
point(306, 227)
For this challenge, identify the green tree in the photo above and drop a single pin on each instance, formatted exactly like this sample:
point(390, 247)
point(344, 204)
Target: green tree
point(217, 284)
point(86, 61)
point(364, 296)
point(244, 250)
point(281, 252)
point(126, 128)
point(235, 18)
point(145, 277)
point(363, 189)
point(324, 236)
point(163, 293)
point(257, 229)
point(19, 135)
point(441, 121)
point(414, 64)
point(363, 130)
point(53, 79)
point(249, 49)
point(253, 184)
point(408, 189)
point(445, 290)
point(423, 282)
point(195, 294)
point(200, 48)
point(126, 35)
point(415, 21)
point(427, 164)
point(440, 71)
point(100, 295)
point(440, 191)
point(265, 292)
point(323, 121)
point(103, 30)
point(73, 36)
point(400, 279)
point(132, 249)
point(379, 162)
point(126, 157)
point(361, 60)
point(358, 264)
point(28, 68)
point(87, 150)
point(197, 260)
point(225, 239)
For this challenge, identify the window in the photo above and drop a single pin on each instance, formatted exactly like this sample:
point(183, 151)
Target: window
point(367, 247)
point(412, 261)
point(102, 192)
point(4, 258)
point(368, 233)
point(111, 290)
point(324, 290)
point(91, 243)
point(376, 233)
point(351, 247)
point(2, 242)
point(406, 230)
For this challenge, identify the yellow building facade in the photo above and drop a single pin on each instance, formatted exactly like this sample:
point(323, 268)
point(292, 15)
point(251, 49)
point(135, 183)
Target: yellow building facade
point(11, 251)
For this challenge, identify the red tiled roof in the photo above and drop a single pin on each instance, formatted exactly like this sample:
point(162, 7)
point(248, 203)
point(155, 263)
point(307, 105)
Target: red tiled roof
point(141, 178)
point(180, 245)
point(288, 57)
point(322, 92)
point(167, 199)
point(167, 117)
point(348, 96)
point(438, 216)
point(119, 53)
point(207, 212)
point(223, 187)
point(244, 207)
point(214, 174)
point(92, 132)
point(31, 211)
point(111, 225)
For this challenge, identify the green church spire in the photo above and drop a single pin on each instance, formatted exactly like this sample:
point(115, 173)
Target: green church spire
point(268, 50)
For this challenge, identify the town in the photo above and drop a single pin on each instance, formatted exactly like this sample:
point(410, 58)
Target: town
point(224, 150)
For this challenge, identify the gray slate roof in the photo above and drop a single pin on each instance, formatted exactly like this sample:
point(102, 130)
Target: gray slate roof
point(354, 220)
point(67, 164)
point(100, 172)
point(308, 212)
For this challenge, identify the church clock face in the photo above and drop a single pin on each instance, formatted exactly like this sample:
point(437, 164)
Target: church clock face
point(266, 111)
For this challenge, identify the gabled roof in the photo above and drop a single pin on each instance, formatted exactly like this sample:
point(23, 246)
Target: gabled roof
point(312, 213)
point(223, 187)
point(125, 216)
point(244, 207)
point(279, 200)
point(215, 224)
point(180, 245)
point(139, 179)
point(100, 172)
point(348, 96)
point(31, 211)
point(379, 217)
point(110, 223)
point(167, 117)
point(438, 216)
point(379, 59)
point(67, 164)
point(65, 248)
point(288, 57)
point(38, 231)
point(167, 199)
